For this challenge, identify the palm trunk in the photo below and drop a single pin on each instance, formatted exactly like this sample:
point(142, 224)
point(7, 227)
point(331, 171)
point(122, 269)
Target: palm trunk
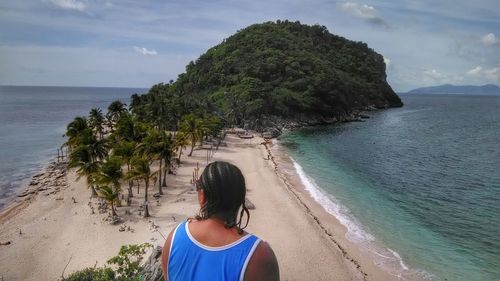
point(94, 192)
point(113, 212)
point(137, 186)
point(146, 207)
point(159, 182)
point(118, 200)
point(193, 143)
point(164, 183)
point(130, 185)
point(179, 158)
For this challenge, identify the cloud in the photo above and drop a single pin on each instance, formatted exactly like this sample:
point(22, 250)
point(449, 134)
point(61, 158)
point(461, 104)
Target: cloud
point(145, 51)
point(387, 63)
point(490, 39)
point(488, 74)
point(365, 12)
point(434, 74)
point(493, 73)
point(475, 71)
point(69, 5)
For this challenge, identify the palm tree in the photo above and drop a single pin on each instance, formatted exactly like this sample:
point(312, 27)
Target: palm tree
point(125, 150)
point(82, 159)
point(110, 173)
point(165, 153)
point(98, 147)
point(192, 127)
point(141, 170)
point(158, 145)
point(115, 110)
point(180, 141)
point(74, 131)
point(129, 128)
point(110, 195)
point(86, 155)
point(96, 121)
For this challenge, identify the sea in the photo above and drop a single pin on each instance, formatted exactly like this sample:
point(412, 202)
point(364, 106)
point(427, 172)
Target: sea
point(32, 124)
point(418, 187)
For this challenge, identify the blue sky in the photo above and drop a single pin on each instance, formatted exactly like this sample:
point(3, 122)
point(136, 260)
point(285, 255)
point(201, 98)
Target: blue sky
point(140, 43)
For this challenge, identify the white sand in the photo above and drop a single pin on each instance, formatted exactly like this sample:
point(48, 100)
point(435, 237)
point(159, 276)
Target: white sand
point(309, 243)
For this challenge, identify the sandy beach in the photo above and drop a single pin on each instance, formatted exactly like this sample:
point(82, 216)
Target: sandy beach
point(52, 233)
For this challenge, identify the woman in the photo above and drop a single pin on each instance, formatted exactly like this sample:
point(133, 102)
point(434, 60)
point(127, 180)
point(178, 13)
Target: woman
point(214, 245)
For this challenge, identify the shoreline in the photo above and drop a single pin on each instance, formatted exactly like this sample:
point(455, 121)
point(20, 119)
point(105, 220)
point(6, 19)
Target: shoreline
point(336, 226)
point(49, 179)
point(310, 243)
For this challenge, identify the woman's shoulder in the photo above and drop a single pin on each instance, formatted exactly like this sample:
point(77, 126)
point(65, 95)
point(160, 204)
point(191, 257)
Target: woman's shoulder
point(263, 264)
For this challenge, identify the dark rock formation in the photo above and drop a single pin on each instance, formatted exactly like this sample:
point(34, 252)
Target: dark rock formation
point(152, 267)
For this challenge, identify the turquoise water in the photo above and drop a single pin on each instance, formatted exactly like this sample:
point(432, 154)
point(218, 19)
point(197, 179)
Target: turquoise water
point(32, 122)
point(420, 182)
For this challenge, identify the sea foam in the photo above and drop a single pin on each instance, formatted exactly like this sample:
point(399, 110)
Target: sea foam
point(355, 232)
point(386, 258)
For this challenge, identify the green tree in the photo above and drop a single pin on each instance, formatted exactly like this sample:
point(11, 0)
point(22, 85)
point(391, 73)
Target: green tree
point(109, 174)
point(193, 128)
point(74, 131)
point(96, 122)
point(141, 170)
point(151, 147)
point(109, 194)
point(128, 261)
point(180, 142)
point(82, 159)
point(165, 153)
point(125, 151)
point(115, 110)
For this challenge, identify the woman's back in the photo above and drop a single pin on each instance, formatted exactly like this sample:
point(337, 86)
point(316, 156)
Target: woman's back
point(191, 259)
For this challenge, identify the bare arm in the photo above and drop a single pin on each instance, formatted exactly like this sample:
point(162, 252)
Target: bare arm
point(263, 265)
point(165, 254)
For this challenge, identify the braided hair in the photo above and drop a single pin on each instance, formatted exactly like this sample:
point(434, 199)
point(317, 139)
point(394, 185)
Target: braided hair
point(224, 188)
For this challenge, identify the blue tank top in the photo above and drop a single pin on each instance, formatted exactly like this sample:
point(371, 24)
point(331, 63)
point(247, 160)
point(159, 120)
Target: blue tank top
point(191, 260)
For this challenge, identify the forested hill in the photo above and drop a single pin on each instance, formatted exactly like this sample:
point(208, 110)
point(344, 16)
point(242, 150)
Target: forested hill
point(287, 70)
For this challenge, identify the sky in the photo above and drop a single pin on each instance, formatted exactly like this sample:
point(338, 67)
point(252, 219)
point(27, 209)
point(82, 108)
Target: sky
point(123, 43)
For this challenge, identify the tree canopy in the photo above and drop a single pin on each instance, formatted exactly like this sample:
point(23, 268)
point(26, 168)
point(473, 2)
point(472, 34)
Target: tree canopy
point(283, 69)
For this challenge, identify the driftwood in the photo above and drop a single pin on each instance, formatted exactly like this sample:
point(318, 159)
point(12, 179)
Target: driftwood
point(62, 274)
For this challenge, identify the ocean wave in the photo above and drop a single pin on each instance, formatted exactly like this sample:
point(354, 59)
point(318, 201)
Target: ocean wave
point(384, 257)
point(355, 231)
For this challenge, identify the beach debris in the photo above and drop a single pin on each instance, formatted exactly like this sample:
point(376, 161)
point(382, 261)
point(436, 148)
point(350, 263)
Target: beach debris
point(125, 227)
point(113, 219)
point(246, 135)
point(102, 206)
point(62, 274)
point(153, 226)
point(5, 243)
point(180, 200)
point(73, 198)
point(20, 232)
point(50, 179)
